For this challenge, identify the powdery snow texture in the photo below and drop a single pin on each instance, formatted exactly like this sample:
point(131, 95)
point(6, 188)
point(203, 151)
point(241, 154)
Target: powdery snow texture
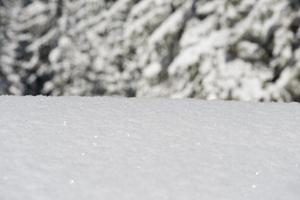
point(74, 148)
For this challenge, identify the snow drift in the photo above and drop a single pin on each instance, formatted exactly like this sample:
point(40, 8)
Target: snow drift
point(115, 148)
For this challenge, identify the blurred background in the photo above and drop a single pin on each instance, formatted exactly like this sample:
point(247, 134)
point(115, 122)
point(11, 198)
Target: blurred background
point(209, 49)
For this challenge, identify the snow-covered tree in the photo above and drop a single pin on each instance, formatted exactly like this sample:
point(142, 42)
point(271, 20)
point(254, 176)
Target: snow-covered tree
point(210, 49)
point(2, 28)
point(9, 81)
point(31, 33)
point(88, 58)
point(244, 50)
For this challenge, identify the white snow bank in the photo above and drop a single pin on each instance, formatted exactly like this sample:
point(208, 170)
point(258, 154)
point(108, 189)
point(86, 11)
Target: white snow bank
point(138, 149)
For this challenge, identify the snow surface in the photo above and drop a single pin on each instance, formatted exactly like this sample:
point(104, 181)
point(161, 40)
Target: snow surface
point(138, 149)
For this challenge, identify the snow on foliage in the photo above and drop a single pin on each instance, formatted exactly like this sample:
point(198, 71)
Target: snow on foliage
point(246, 49)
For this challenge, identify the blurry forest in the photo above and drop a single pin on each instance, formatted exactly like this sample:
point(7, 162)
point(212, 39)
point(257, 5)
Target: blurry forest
point(208, 49)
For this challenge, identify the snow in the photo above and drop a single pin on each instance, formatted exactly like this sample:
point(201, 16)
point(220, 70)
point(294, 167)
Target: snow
point(161, 48)
point(116, 148)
